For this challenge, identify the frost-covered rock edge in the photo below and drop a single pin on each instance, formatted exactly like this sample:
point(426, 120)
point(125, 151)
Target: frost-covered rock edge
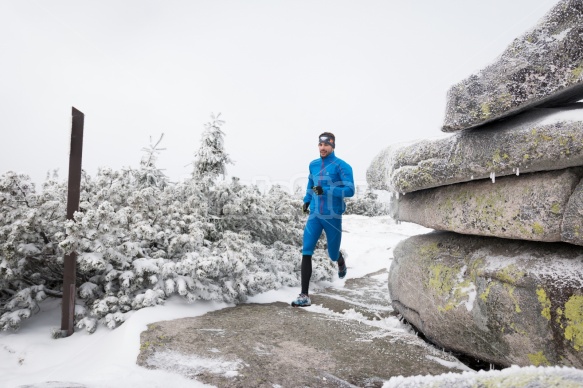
point(526, 377)
point(540, 206)
point(540, 140)
point(542, 67)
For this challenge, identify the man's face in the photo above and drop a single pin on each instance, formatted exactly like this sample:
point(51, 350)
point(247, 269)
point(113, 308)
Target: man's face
point(325, 149)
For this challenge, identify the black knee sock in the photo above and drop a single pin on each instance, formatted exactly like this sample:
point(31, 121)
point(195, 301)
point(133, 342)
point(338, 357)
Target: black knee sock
point(306, 273)
point(340, 261)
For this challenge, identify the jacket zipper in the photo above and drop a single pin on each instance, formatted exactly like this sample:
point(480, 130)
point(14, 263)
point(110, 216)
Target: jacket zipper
point(320, 184)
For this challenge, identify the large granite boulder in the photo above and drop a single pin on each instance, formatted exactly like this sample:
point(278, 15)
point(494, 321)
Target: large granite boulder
point(508, 302)
point(542, 67)
point(540, 140)
point(528, 207)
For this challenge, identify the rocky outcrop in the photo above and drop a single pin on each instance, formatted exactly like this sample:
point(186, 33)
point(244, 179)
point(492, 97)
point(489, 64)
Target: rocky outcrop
point(542, 67)
point(509, 180)
point(541, 140)
point(532, 207)
point(508, 302)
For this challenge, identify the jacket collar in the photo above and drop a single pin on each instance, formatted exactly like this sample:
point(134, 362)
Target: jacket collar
point(330, 157)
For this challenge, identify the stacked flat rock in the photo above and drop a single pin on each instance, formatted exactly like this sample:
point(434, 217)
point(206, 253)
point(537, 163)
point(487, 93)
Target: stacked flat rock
point(503, 281)
point(544, 67)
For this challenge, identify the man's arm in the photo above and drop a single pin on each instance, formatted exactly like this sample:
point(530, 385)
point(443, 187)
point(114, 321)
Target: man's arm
point(308, 196)
point(344, 188)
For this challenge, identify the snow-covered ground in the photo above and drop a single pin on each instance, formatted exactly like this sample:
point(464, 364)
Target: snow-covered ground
point(108, 358)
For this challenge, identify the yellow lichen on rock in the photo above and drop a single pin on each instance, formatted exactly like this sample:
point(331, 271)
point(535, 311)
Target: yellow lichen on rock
point(545, 303)
point(484, 295)
point(442, 278)
point(428, 251)
point(537, 228)
point(576, 73)
point(574, 317)
point(485, 111)
point(538, 359)
point(510, 290)
point(510, 274)
point(509, 277)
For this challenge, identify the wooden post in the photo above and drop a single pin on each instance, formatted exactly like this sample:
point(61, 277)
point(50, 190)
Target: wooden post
point(73, 195)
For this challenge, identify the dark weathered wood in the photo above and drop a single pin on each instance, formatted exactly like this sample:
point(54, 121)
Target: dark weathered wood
point(74, 192)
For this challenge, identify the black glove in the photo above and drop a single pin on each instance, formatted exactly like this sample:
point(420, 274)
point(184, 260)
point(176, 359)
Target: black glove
point(306, 208)
point(318, 190)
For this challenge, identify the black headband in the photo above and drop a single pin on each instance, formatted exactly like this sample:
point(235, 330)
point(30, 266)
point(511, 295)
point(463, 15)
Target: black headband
point(327, 140)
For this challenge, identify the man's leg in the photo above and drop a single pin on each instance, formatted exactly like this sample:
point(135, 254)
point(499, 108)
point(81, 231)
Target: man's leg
point(306, 273)
point(312, 233)
point(333, 229)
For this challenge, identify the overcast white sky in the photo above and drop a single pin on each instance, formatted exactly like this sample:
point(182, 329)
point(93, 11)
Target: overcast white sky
point(374, 72)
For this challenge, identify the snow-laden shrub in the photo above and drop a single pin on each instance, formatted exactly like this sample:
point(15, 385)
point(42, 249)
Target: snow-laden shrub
point(368, 205)
point(31, 228)
point(140, 239)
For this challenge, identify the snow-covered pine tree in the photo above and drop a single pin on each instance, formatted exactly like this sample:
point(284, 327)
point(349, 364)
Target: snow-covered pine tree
point(211, 159)
point(149, 174)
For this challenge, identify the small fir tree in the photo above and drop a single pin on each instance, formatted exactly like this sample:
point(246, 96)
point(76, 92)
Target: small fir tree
point(211, 159)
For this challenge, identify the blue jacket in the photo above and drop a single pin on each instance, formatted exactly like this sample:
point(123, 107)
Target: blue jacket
point(334, 175)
